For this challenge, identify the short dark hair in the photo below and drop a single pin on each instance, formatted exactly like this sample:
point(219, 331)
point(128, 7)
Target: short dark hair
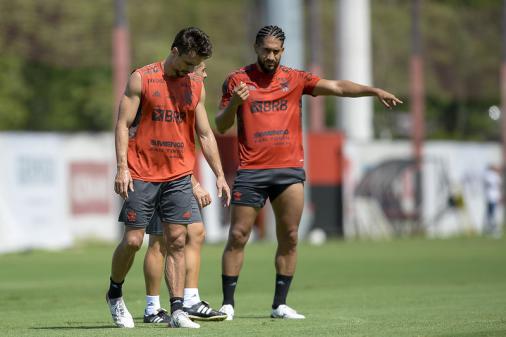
point(270, 30)
point(193, 39)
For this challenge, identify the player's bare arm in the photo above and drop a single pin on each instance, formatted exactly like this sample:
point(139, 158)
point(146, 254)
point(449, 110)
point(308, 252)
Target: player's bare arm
point(210, 148)
point(346, 88)
point(201, 195)
point(225, 117)
point(127, 110)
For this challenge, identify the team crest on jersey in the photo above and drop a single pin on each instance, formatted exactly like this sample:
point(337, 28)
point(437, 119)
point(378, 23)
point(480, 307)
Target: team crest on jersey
point(284, 84)
point(156, 93)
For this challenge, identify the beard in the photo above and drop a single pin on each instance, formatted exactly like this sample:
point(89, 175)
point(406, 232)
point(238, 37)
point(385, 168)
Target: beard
point(268, 68)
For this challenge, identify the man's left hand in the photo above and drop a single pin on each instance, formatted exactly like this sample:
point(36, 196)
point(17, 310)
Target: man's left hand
point(222, 186)
point(387, 99)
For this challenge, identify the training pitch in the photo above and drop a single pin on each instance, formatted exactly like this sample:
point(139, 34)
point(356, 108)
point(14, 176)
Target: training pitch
point(407, 287)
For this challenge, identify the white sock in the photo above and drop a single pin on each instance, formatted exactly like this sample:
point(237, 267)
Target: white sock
point(191, 297)
point(152, 304)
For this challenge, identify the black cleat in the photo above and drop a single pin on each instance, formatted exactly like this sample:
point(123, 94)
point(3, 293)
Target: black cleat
point(161, 316)
point(203, 312)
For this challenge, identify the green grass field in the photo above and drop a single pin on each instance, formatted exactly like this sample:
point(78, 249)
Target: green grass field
point(410, 287)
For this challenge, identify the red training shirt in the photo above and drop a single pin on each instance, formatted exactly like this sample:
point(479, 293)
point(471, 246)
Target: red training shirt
point(161, 144)
point(269, 122)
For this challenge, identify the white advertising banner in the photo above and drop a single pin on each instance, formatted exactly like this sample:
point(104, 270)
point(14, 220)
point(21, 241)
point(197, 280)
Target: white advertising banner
point(379, 188)
point(56, 189)
point(32, 193)
point(92, 205)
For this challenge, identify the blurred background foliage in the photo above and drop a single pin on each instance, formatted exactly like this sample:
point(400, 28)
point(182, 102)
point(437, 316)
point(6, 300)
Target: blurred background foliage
point(55, 57)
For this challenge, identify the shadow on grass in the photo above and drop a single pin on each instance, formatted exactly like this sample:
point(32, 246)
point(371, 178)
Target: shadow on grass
point(73, 327)
point(269, 318)
point(82, 326)
point(486, 333)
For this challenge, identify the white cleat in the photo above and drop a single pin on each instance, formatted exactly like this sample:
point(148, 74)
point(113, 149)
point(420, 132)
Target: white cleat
point(284, 311)
point(119, 312)
point(229, 310)
point(180, 319)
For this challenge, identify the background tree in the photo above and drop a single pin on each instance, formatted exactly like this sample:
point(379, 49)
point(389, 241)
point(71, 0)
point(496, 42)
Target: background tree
point(56, 59)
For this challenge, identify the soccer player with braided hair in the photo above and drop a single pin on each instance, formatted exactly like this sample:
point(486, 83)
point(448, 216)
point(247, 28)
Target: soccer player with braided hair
point(266, 98)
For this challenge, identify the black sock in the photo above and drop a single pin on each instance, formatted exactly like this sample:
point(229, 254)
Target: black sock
point(228, 284)
point(282, 285)
point(176, 303)
point(115, 289)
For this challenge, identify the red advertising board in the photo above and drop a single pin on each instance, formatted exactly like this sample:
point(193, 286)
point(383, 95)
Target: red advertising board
point(90, 188)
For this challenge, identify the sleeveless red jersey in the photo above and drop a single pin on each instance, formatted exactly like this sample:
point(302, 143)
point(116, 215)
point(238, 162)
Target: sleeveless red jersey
point(269, 122)
point(161, 144)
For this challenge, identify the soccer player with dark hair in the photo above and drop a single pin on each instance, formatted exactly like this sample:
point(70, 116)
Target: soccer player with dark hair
point(196, 308)
point(162, 106)
point(266, 98)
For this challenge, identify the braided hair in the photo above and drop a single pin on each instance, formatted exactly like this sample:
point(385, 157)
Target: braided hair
point(270, 30)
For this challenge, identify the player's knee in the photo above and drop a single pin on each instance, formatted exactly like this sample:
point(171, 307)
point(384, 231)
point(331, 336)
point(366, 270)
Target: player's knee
point(177, 244)
point(291, 239)
point(238, 238)
point(133, 243)
point(197, 237)
point(200, 238)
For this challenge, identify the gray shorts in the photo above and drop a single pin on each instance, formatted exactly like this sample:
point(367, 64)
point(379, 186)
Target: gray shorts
point(170, 200)
point(253, 187)
point(155, 225)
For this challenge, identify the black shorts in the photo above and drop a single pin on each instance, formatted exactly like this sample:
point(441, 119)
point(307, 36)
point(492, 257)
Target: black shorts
point(253, 187)
point(171, 200)
point(155, 225)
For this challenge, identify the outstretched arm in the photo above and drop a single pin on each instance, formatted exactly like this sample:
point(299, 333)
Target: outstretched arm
point(210, 148)
point(127, 110)
point(345, 88)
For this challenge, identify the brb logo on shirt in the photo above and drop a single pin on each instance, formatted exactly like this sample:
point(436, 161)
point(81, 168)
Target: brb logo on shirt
point(162, 115)
point(268, 106)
